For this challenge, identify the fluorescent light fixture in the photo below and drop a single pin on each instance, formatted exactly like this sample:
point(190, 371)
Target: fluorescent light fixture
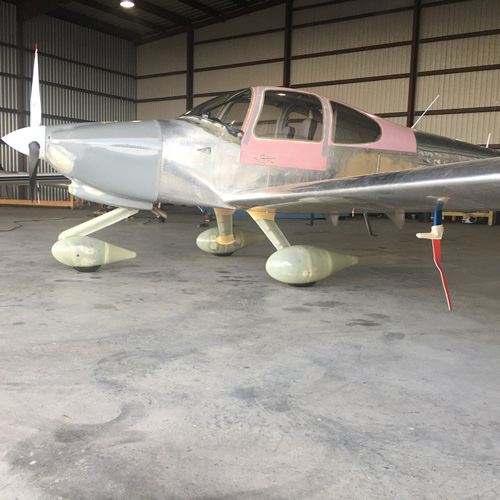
point(127, 4)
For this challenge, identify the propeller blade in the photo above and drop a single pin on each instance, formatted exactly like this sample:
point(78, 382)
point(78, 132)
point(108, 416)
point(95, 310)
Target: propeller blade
point(35, 104)
point(33, 162)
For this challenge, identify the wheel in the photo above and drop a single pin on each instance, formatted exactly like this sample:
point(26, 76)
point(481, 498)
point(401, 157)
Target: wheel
point(91, 269)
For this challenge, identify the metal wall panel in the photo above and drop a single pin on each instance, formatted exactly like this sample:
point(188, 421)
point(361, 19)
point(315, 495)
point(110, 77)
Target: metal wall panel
point(345, 9)
point(85, 76)
point(8, 94)
point(237, 78)
point(165, 86)
point(79, 44)
point(76, 105)
point(161, 110)
point(461, 53)
point(459, 90)
point(8, 156)
point(8, 24)
point(8, 62)
point(8, 86)
point(461, 17)
point(362, 32)
point(395, 60)
point(82, 77)
point(162, 56)
point(375, 97)
point(268, 19)
point(469, 127)
point(399, 120)
point(240, 50)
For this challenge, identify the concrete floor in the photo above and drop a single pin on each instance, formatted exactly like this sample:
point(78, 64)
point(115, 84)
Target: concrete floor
point(179, 375)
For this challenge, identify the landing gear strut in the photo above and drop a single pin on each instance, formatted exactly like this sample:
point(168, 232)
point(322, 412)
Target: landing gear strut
point(224, 240)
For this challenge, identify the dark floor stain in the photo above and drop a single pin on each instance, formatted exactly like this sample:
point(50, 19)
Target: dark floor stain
point(271, 401)
point(244, 393)
point(325, 304)
point(378, 315)
point(363, 322)
point(68, 433)
point(60, 461)
point(297, 309)
point(392, 337)
point(104, 306)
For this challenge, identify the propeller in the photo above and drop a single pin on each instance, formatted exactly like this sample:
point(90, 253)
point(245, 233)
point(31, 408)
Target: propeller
point(33, 163)
point(30, 141)
point(35, 121)
point(35, 102)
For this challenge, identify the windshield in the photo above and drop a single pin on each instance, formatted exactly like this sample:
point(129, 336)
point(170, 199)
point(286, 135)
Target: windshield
point(230, 108)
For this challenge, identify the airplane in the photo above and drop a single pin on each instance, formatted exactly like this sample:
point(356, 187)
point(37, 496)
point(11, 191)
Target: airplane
point(263, 150)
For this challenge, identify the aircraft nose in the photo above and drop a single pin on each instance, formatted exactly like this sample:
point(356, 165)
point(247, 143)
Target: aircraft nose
point(121, 158)
point(21, 139)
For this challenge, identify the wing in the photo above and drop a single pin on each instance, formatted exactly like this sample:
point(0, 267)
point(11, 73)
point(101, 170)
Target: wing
point(465, 186)
point(11, 178)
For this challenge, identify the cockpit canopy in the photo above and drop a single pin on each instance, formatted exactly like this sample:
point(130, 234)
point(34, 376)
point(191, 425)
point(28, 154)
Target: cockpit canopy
point(285, 114)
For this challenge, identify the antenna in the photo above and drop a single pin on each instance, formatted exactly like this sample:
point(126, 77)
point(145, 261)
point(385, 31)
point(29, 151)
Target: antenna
point(426, 109)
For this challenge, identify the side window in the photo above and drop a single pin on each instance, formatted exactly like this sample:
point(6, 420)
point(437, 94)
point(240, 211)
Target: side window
point(352, 127)
point(290, 116)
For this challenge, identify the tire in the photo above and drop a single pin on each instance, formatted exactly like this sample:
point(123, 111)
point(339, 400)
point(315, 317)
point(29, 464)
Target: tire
point(91, 269)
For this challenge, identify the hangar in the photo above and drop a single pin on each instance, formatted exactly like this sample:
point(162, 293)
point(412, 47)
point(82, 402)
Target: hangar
point(178, 375)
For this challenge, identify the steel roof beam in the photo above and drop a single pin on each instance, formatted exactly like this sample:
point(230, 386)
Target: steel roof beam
point(88, 22)
point(126, 15)
point(26, 9)
point(151, 8)
point(201, 7)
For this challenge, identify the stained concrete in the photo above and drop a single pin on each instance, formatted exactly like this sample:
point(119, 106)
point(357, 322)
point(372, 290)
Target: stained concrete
point(180, 375)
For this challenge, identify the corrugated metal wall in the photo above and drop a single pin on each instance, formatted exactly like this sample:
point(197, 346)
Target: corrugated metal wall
point(459, 60)
point(238, 53)
point(8, 82)
point(242, 52)
point(356, 51)
point(161, 78)
point(85, 76)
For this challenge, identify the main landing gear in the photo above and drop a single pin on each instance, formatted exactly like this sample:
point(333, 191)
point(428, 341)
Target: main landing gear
point(298, 265)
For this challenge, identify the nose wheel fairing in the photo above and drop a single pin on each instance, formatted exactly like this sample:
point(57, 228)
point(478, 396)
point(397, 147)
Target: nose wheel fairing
point(76, 249)
point(298, 265)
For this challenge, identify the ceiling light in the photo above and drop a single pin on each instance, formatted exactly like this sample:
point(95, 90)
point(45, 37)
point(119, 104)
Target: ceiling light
point(127, 4)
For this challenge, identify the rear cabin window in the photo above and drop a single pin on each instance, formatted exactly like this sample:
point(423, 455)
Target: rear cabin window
point(352, 127)
point(290, 116)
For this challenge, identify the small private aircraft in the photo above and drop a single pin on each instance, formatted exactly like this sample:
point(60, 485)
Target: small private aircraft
point(263, 150)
